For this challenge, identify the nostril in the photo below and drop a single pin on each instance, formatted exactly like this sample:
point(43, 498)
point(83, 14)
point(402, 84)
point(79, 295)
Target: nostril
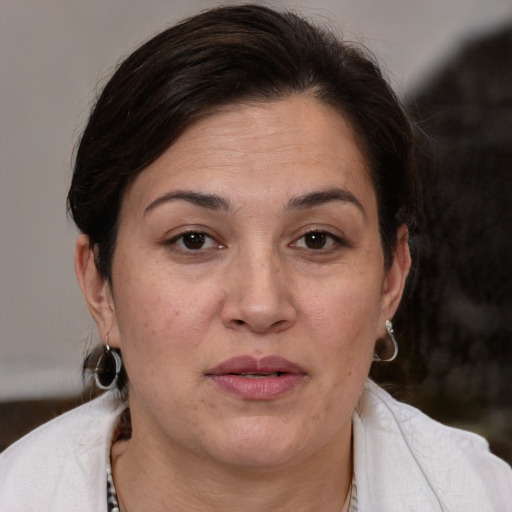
point(239, 322)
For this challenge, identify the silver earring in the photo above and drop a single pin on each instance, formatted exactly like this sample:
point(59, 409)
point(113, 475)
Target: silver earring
point(107, 368)
point(386, 349)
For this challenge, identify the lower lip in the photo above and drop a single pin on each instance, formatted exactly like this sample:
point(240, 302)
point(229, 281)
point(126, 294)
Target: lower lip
point(266, 388)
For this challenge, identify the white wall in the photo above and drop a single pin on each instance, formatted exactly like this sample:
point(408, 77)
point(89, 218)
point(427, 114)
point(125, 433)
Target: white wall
point(52, 54)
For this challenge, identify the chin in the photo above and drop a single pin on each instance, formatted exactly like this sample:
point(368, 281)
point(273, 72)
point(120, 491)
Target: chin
point(259, 443)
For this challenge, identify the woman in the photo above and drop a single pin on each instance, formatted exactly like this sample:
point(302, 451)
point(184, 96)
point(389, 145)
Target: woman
point(244, 190)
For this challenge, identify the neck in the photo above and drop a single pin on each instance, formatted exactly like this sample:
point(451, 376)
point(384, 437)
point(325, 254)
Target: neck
point(186, 482)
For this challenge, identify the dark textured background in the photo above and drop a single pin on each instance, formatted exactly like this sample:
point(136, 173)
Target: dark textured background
point(456, 326)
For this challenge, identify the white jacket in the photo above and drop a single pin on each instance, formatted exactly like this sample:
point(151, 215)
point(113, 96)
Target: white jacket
point(403, 461)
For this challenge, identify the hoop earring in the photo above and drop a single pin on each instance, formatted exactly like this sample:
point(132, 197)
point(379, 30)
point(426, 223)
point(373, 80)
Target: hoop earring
point(386, 349)
point(107, 368)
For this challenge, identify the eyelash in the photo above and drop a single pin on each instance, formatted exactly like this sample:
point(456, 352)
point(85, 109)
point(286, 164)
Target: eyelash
point(201, 236)
point(336, 241)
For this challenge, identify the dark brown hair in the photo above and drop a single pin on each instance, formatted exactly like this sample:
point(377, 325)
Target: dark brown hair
point(224, 56)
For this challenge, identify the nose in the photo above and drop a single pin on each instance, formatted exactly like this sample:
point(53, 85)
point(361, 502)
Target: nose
point(259, 297)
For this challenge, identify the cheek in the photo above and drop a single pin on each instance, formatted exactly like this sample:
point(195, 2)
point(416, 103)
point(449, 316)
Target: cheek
point(343, 310)
point(155, 313)
point(340, 327)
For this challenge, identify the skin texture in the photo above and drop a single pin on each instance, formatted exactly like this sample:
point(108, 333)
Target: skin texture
point(259, 286)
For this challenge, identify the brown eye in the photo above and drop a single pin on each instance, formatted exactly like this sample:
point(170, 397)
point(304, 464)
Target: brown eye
point(315, 240)
point(193, 241)
point(318, 241)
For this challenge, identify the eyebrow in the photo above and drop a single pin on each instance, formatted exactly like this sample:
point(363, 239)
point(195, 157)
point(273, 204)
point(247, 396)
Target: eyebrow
point(216, 202)
point(210, 201)
point(324, 196)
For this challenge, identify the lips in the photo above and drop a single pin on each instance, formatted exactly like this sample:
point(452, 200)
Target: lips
point(253, 378)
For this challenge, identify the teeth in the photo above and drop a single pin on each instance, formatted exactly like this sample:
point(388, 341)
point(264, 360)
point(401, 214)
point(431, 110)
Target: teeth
point(258, 375)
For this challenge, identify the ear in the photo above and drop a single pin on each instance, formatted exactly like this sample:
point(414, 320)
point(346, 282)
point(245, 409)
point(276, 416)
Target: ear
point(95, 288)
point(394, 281)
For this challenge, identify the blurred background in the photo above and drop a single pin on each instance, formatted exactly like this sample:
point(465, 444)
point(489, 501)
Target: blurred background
point(450, 61)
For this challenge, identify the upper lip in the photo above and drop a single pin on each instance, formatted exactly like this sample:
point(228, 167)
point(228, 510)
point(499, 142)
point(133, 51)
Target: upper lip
point(249, 364)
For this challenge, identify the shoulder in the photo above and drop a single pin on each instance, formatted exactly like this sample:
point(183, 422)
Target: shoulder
point(57, 464)
point(431, 465)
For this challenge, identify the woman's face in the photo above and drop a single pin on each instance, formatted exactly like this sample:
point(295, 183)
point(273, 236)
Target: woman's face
point(249, 286)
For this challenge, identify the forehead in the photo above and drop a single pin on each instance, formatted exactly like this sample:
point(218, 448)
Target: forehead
point(289, 146)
